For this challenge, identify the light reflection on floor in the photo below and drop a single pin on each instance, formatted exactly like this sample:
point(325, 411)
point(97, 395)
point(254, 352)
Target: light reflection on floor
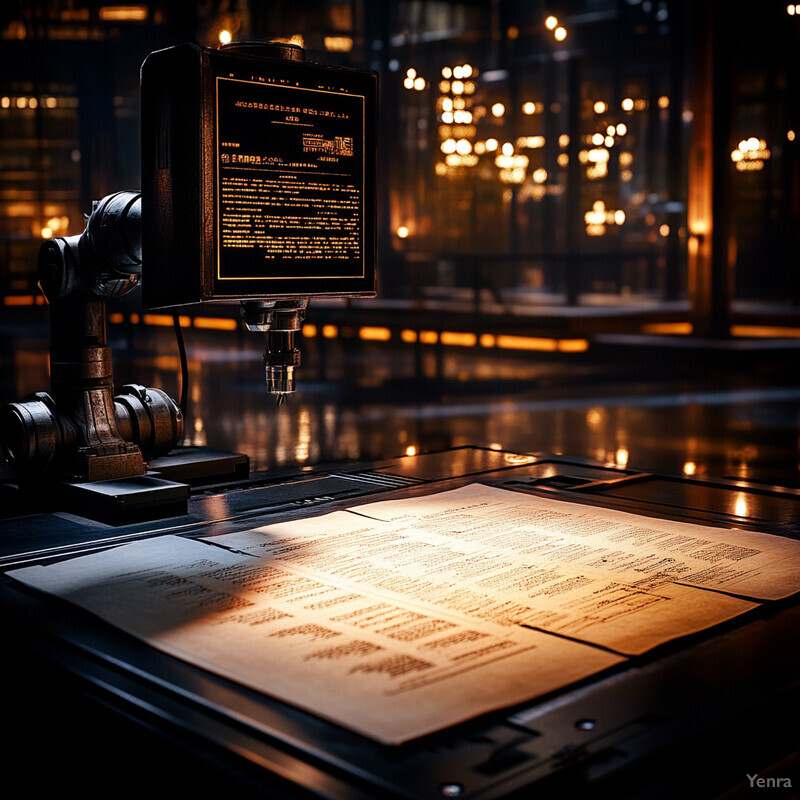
point(378, 402)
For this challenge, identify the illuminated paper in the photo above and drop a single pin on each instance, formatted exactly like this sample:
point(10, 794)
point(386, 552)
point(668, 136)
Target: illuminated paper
point(400, 618)
point(745, 563)
point(469, 553)
point(392, 671)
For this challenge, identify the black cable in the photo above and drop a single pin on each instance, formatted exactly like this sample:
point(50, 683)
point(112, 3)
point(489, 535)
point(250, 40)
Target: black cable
point(184, 365)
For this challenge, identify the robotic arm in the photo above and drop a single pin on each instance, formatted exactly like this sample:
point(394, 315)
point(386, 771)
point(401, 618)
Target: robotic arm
point(80, 431)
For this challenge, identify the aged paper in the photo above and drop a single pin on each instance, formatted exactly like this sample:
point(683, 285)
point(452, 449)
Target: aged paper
point(466, 558)
point(755, 565)
point(400, 618)
point(390, 670)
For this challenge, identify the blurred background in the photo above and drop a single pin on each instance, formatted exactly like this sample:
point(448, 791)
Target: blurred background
point(589, 227)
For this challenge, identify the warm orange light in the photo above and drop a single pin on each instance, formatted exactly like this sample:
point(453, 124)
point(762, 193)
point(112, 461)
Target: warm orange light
point(309, 331)
point(213, 323)
point(458, 339)
point(428, 337)
point(573, 345)
point(765, 331)
point(123, 13)
point(330, 331)
point(295, 38)
point(157, 319)
point(371, 334)
point(338, 44)
point(408, 336)
point(668, 328)
point(689, 468)
point(18, 300)
point(411, 450)
point(509, 342)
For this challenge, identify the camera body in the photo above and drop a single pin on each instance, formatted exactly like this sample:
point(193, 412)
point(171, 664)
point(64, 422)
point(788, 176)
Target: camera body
point(258, 176)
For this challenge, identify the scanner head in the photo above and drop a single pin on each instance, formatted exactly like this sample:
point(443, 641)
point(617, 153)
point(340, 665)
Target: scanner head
point(258, 176)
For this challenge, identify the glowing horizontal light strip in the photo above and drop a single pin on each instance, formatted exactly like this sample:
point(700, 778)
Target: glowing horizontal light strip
point(123, 13)
point(157, 319)
point(573, 345)
point(446, 338)
point(215, 323)
point(507, 342)
point(682, 328)
point(19, 300)
point(375, 334)
point(765, 331)
point(458, 339)
point(341, 44)
point(162, 320)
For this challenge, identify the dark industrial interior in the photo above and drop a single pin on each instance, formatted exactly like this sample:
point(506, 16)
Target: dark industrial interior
point(587, 227)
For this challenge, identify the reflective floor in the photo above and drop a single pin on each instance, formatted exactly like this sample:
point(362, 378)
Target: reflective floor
point(368, 401)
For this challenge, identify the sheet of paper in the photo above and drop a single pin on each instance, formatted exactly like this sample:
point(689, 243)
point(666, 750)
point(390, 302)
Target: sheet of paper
point(745, 563)
point(448, 563)
point(400, 618)
point(386, 667)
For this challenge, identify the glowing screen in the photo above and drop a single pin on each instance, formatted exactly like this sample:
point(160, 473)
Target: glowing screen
point(290, 181)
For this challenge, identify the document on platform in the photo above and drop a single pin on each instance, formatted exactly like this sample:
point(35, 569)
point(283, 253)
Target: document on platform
point(473, 552)
point(749, 564)
point(392, 671)
point(400, 618)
